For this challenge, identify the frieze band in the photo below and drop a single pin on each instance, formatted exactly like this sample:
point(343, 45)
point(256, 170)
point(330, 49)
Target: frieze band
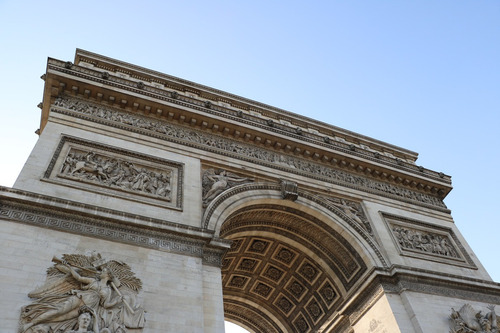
point(157, 89)
point(218, 144)
point(115, 231)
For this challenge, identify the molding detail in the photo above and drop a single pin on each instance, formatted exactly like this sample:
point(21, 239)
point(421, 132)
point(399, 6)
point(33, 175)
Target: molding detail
point(484, 292)
point(96, 167)
point(114, 231)
point(95, 68)
point(227, 147)
point(289, 190)
point(337, 253)
point(322, 201)
point(250, 317)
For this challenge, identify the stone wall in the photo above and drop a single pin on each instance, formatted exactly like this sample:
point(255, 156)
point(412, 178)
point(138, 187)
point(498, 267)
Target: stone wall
point(177, 290)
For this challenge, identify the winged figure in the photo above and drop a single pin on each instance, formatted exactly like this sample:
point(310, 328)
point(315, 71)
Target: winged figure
point(468, 320)
point(214, 184)
point(107, 289)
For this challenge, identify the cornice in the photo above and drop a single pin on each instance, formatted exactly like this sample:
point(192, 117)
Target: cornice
point(148, 76)
point(88, 220)
point(399, 279)
point(164, 102)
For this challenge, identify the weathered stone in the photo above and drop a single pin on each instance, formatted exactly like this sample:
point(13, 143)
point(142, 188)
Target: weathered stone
point(224, 208)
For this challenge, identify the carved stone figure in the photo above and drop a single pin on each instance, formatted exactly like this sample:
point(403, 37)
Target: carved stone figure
point(423, 241)
point(468, 320)
point(106, 289)
point(86, 317)
point(214, 184)
point(352, 210)
point(353, 213)
point(108, 171)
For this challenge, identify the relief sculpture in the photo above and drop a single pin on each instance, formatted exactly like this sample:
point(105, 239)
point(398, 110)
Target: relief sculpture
point(84, 294)
point(241, 150)
point(113, 172)
point(352, 210)
point(215, 183)
point(423, 241)
point(468, 320)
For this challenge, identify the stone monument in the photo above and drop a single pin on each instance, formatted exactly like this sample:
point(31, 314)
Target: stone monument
point(155, 204)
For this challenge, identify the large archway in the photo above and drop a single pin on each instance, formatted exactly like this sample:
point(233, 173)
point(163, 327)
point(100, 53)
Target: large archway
point(331, 231)
point(292, 263)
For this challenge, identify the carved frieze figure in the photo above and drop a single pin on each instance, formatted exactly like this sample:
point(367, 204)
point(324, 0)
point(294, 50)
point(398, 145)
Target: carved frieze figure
point(87, 318)
point(352, 210)
point(109, 171)
point(354, 213)
point(214, 184)
point(423, 241)
point(468, 320)
point(81, 289)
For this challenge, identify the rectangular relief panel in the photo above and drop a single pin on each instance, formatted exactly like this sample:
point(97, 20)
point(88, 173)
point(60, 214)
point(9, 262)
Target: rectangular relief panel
point(427, 241)
point(116, 172)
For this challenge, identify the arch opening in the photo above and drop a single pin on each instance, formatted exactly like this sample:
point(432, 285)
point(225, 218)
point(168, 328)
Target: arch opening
point(286, 270)
point(233, 328)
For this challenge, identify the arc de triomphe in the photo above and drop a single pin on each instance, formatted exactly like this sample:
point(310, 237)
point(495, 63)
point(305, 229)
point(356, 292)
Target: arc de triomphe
point(155, 204)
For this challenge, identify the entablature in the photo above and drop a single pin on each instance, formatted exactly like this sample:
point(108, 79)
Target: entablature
point(165, 98)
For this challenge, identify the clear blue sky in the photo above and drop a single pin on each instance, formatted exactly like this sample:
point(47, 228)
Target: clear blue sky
point(423, 75)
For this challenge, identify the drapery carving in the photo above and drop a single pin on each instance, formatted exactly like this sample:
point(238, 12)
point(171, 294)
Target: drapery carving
point(429, 241)
point(113, 172)
point(122, 173)
point(80, 290)
point(215, 182)
point(423, 241)
point(468, 320)
point(352, 210)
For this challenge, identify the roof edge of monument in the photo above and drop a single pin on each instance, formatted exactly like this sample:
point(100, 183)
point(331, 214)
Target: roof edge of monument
point(99, 61)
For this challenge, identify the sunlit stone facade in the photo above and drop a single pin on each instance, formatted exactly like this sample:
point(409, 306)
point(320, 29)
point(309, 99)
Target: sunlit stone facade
point(224, 209)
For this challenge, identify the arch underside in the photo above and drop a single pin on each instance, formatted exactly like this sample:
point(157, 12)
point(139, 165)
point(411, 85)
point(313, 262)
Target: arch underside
point(286, 271)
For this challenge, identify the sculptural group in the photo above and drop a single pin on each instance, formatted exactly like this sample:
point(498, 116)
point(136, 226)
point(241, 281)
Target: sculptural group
point(113, 172)
point(81, 289)
point(468, 320)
